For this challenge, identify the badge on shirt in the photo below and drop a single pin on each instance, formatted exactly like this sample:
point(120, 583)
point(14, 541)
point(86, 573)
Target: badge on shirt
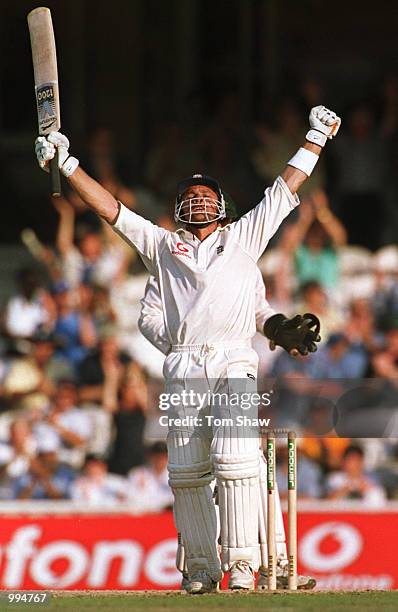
point(220, 250)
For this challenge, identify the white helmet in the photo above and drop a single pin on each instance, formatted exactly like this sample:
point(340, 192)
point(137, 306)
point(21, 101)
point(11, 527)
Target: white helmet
point(184, 208)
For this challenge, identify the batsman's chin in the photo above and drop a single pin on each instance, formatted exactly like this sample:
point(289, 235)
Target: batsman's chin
point(201, 219)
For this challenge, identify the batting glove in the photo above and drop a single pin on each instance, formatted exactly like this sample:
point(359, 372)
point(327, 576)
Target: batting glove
point(324, 124)
point(46, 147)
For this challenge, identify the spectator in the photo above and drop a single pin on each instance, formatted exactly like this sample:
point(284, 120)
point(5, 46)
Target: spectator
point(314, 241)
point(385, 362)
point(360, 327)
point(75, 329)
point(15, 456)
point(315, 299)
point(339, 359)
point(96, 487)
point(47, 477)
point(31, 308)
point(129, 423)
point(66, 427)
point(149, 488)
point(53, 368)
point(352, 482)
point(97, 257)
point(106, 360)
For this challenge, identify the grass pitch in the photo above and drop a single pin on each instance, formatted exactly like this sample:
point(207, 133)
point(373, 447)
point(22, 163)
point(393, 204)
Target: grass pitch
point(243, 602)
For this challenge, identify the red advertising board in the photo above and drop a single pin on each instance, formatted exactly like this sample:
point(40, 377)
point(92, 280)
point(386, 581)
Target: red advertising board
point(344, 550)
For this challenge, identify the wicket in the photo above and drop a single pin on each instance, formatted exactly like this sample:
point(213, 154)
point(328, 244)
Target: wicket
point(292, 509)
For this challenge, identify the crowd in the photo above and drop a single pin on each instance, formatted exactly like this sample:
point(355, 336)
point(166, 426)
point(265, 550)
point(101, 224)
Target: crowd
point(78, 381)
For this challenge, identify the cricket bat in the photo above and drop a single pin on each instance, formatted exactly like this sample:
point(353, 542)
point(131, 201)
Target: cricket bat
point(46, 81)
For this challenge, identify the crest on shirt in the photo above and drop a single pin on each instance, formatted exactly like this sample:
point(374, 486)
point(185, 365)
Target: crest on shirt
point(220, 250)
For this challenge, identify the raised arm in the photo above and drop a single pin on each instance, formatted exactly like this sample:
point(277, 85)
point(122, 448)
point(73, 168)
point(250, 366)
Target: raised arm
point(254, 230)
point(135, 230)
point(91, 192)
point(324, 124)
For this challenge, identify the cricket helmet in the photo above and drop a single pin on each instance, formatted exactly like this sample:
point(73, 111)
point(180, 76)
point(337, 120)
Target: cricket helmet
point(184, 207)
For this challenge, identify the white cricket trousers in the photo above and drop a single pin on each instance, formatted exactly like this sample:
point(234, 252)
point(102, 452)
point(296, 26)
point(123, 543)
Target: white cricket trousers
point(217, 378)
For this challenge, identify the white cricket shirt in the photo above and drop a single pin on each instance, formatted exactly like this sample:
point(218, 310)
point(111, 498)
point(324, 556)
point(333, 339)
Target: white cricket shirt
point(151, 321)
point(208, 288)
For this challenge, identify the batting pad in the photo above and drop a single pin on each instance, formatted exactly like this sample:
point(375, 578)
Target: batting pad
point(194, 510)
point(236, 467)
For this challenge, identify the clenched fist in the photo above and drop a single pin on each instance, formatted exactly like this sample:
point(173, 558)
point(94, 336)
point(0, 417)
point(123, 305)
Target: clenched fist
point(324, 124)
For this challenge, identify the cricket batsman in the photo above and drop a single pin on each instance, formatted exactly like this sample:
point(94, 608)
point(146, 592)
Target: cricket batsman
point(301, 335)
point(206, 275)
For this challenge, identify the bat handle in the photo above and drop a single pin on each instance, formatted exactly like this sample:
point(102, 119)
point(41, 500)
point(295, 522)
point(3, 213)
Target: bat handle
point(55, 177)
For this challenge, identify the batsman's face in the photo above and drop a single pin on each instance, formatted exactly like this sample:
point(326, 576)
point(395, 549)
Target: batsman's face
point(200, 204)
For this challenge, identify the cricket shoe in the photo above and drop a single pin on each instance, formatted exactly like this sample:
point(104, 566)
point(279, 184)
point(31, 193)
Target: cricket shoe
point(304, 583)
point(241, 577)
point(200, 582)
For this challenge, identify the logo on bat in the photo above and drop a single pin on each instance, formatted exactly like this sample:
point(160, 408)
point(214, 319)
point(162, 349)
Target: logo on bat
point(46, 106)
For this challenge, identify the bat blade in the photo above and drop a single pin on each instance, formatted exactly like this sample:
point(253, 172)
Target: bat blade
point(45, 70)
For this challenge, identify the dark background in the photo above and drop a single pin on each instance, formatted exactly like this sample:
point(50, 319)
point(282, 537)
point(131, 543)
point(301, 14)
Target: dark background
point(133, 65)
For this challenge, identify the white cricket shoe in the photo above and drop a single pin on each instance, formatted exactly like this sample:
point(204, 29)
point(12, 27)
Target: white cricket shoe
point(241, 576)
point(200, 582)
point(304, 583)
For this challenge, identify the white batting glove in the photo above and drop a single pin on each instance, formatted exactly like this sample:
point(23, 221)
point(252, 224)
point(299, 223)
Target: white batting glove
point(45, 148)
point(324, 124)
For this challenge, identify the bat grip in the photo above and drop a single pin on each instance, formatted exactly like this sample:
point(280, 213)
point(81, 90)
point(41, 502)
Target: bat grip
point(55, 177)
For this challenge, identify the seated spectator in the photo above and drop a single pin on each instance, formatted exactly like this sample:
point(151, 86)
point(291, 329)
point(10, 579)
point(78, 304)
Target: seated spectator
point(339, 359)
point(35, 370)
point(32, 307)
point(360, 327)
point(96, 487)
point(385, 362)
point(314, 299)
point(47, 477)
point(352, 482)
point(75, 329)
point(326, 448)
point(15, 456)
point(54, 368)
point(105, 359)
point(66, 427)
point(129, 423)
point(149, 489)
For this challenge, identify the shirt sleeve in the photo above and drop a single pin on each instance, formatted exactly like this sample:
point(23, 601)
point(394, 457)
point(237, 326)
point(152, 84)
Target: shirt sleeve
point(255, 229)
point(263, 309)
point(151, 321)
point(140, 233)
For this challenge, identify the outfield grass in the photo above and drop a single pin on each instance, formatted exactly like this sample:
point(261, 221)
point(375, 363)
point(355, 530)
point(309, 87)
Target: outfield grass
point(386, 601)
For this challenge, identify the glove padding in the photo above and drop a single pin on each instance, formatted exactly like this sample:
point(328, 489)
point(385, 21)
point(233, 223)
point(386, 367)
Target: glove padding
point(298, 335)
point(46, 147)
point(325, 121)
